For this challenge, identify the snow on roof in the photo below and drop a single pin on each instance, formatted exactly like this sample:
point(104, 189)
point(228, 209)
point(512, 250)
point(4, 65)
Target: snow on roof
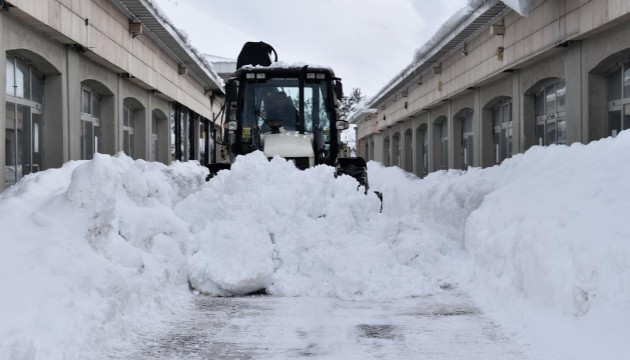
point(181, 37)
point(460, 22)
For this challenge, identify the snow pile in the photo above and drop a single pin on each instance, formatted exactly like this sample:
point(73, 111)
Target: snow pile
point(265, 224)
point(552, 237)
point(99, 250)
point(90, 253)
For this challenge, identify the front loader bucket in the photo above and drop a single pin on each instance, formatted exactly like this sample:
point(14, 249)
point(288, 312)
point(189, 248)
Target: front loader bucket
point(215, 168)
point(355, 167)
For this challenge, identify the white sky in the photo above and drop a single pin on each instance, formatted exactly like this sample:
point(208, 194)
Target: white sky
point(366, 42)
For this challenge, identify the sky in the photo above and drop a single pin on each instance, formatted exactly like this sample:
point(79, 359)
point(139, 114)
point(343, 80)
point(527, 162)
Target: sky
point(97, 252)
point(366, 42)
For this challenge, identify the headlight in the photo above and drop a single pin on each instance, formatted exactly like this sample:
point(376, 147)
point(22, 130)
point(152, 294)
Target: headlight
point(232, 125)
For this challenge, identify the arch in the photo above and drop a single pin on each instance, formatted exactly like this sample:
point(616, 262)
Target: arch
point(463, 144)
point(98, 112)
point(159, 136)
point(34, 117)
point(497, 121)
point(609, 96)
point(386, 151)
point(396, 149)
point(134, 128)
point(544, 114)
point(440, 143)
point(422, 150)
point(408, 152)
point(371, 153)
point(38, 61)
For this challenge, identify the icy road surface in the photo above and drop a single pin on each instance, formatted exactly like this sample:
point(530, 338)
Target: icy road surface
point(441, 326)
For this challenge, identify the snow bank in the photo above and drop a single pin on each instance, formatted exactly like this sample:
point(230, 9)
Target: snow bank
point(551, 236)
point(99, 250)
point(89, 254)
point(264, 224)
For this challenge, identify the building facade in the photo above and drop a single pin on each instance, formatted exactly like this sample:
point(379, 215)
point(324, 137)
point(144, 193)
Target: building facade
point(99, 76)
point(500, 83)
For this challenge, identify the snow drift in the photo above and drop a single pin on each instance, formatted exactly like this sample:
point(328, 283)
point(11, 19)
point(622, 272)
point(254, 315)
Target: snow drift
point(99, 250)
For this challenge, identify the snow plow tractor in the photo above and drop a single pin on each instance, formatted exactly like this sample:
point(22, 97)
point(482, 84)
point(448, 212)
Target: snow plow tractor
point(285, 110)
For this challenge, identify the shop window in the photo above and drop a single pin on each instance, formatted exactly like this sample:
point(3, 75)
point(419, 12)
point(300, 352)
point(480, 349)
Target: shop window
point(551, 125)
point(129, 122)
point(24, 120)
point(444, 142)
point(467, 138)
point(502, 130)
point(90, 122)
point(618, 84)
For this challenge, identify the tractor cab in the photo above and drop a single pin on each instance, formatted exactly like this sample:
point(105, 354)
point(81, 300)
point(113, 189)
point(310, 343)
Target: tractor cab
point(290, 111)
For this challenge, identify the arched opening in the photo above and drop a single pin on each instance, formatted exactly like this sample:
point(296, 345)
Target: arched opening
point(440, 143)
point(408, 143)
point(159, 136)
point(497, 121)
point(371, 153)
point(609, 96)
point(134, 128)
point(97, 119)
point(422, 150)
point(548, 120)
point(33, 116)
point(464, 147)
point(396, 149)
point(386, 152)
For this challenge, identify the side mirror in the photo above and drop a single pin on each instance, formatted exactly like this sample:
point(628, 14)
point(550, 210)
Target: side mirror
point(342, 125)
point(338, 90)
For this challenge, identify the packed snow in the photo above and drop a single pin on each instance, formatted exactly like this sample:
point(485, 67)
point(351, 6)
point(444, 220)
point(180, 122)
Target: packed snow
point(98, 251)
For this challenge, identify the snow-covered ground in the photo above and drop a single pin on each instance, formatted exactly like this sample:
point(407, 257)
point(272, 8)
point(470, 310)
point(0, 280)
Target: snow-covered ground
point(98, 251)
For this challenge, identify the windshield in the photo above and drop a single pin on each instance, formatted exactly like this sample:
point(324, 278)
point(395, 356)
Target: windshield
point(276, 102)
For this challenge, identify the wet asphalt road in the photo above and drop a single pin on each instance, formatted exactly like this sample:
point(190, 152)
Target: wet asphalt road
point(441, 326)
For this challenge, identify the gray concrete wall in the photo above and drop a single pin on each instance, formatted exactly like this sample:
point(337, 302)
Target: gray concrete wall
point(575, 41)
point(41, 31)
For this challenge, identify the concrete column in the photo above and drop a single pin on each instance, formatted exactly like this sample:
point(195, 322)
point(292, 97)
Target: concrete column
point(72, 95)
point(576, 123)
point(3, 86)
point(451, 136)
point(518, 115)
point(479, 136)
point(414, 144)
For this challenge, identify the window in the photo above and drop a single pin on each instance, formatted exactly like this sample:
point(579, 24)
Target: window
point(154, 138)
point(502, 128)
point(24, 124)
point(129, 122)
point(467, 139)
point(618, 84)
point(444, 143)
point(551, 125)
point(90, 122)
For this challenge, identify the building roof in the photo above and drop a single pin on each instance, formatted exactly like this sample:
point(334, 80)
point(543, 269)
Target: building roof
point(159, 28)
point(449, 39)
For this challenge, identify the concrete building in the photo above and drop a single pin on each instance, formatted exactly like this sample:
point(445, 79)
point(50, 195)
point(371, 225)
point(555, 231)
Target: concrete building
point(499, 83)
point(99, 76)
